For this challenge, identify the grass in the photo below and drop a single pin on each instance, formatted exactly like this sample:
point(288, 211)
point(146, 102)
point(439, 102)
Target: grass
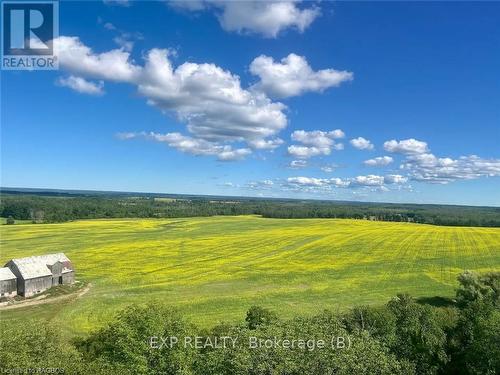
point(215, 268)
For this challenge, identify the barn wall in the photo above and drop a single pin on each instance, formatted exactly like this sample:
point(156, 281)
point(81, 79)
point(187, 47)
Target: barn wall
point(56, 269)
point(37, 285)
point(68, 277)
point(8, 288)
point(20, 281)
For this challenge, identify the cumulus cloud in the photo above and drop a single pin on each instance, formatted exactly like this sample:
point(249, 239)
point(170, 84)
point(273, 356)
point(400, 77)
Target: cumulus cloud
point(192, 145)
point(297, 164)
point(354, 182)
point(305, 152)
point(265, 144)
point(361, 143)
point(317, 138)
point(314, 143)
point(79, 59)
point(338, 146)
point(395, 179)
point(369, 180)
point(427, 167)
point(216, 109)
point(328, 168)
point(259, 185)
point(406, 146)
point(210, 100)
point(379, 161)
point(313, 185)
point(266, 18)
point(422, 165)
point(293, 76)
point(124, 43)
point(315, 182)
point(81, 85)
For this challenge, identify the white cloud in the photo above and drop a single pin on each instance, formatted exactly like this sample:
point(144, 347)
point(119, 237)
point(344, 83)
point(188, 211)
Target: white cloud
point(317, 138)
point(265, 144)
point(108, 25)
point(127, 135)
point(268, 182)
point(328, 168)
point(336, 134)
point(81, 85)
point(210, 100)
point(305, 152)
point(369, 180)
point(77, 58)
point(207, 98)
point(355, 182)
point(406, 146)
point(125, 40)
point(361, 143)
point(395, 179)
point(314, 143)
point(191, 145)
point(308, 181)
point(297, 164)
point(267, 18)
point(373, 182)
point(293, 76)
point(424, 166)
point(124, 43)
point(230, 155)
point(259, 185)
point(338, 146)
point(379, 161)
point(429, 168)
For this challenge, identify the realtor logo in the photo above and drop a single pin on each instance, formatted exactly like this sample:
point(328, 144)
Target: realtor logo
point(28, 32)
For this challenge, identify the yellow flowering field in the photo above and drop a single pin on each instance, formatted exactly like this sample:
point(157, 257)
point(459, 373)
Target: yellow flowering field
point(213, 269)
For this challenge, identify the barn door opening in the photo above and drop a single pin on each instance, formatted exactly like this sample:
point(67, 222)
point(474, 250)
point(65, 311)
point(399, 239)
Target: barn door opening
point(60, 279)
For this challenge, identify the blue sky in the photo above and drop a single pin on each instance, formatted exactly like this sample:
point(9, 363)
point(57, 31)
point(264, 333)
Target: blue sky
point(210, 98)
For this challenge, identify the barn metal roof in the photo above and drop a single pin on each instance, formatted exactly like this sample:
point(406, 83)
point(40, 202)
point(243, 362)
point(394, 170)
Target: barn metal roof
point(6, 274)
point(36, 266)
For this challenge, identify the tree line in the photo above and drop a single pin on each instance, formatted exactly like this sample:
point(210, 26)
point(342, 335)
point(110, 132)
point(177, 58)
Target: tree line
point(403, 336)
point(50, 209)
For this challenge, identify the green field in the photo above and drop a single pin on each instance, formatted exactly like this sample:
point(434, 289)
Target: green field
point(214, 268)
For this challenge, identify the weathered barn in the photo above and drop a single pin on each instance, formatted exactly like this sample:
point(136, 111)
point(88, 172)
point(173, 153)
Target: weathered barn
point(38, 273)
point(8, 283)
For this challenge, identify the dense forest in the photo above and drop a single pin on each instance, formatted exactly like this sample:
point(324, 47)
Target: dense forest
point(50, 207)
point(405, 336)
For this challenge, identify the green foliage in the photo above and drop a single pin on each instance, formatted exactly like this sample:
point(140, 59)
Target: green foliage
point(379, 322)
point(126, 340)
point(364, 356)
point(482, 356)
point(474, 343)
point(419, 336)
point(258, 316)
point(58, 207)
point(402, 337)
point(10, 221)
point(39, 345)
point(477, 288)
